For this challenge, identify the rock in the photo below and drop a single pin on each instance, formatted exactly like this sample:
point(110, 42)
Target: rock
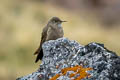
point(66, 60)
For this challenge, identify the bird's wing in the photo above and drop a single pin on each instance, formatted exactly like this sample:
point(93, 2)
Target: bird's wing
point(43, 39)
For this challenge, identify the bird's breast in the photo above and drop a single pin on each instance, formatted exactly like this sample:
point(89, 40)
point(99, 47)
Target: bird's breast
point(54, 33)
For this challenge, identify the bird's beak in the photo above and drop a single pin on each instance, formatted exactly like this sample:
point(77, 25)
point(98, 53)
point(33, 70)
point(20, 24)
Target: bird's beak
point(64, 21)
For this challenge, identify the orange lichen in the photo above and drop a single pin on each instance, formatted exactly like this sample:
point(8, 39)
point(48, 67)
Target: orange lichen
point(72, 75)
point(57, 67)
point(77, 70)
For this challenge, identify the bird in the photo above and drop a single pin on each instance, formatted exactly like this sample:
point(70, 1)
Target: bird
point(52, 31)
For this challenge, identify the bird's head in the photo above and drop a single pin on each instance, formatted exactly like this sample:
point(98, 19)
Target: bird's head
point(55, 21)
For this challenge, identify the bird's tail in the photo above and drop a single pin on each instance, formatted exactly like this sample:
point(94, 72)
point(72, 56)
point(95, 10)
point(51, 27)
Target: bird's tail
point(37, 51)
point(39, 56)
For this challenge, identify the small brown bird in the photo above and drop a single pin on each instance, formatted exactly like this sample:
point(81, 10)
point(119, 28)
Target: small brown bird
point(52, 31)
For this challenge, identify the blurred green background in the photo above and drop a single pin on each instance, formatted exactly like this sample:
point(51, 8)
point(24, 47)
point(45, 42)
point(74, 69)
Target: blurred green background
point(21, 23)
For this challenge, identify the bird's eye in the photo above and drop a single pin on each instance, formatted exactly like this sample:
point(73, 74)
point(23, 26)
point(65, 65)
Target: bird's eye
point(55, 21)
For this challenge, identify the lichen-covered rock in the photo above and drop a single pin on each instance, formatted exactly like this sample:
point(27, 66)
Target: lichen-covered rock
point(68, 60)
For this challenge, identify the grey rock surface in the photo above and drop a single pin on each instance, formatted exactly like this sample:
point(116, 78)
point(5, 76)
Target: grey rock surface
point(66, 53)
